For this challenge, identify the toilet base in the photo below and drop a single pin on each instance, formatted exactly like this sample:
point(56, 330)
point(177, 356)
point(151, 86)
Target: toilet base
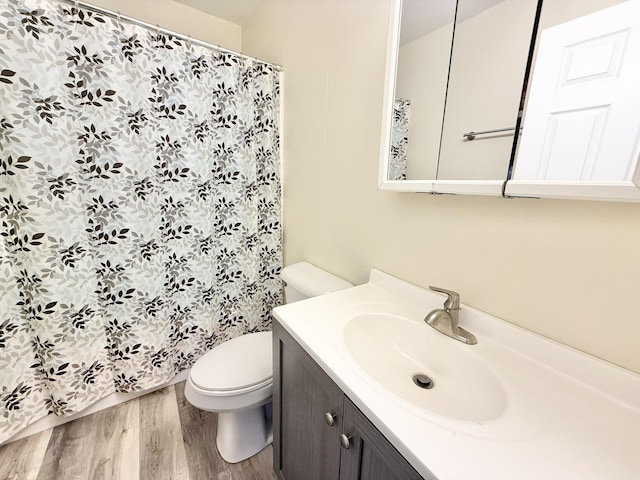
point(242, 434)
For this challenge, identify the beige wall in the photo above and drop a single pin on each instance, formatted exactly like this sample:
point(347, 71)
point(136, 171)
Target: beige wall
point(568, 270)
point(178, 18)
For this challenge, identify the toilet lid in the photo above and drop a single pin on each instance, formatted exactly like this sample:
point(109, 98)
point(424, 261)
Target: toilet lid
point(236, 364)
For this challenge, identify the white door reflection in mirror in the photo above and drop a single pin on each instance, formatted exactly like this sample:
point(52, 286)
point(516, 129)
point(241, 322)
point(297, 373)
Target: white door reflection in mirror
point(582, 122)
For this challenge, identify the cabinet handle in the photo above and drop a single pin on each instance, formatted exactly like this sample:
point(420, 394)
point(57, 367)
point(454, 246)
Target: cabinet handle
point(329, 418)
point(344, 441)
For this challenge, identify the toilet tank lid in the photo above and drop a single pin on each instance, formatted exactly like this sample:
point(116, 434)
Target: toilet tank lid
point(312, 281)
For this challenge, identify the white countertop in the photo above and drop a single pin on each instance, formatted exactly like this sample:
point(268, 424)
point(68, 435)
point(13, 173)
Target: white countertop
point(568, 415)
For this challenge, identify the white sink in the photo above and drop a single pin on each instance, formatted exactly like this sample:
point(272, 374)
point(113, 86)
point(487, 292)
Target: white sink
point(514, 406)
point(391, 350)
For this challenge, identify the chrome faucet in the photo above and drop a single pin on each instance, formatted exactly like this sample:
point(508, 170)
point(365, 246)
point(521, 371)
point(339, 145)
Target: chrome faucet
point(445, 320)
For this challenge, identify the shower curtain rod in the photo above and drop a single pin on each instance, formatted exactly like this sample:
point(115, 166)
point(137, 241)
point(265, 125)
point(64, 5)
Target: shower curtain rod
point(165, 31)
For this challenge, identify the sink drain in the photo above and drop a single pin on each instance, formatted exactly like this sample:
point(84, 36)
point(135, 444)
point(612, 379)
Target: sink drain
point(423, 381)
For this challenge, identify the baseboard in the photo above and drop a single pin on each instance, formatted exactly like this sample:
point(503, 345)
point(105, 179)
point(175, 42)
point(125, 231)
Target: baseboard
point(51, 421)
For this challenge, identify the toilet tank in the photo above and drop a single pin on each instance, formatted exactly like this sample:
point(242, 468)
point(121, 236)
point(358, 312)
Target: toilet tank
point(303, 280)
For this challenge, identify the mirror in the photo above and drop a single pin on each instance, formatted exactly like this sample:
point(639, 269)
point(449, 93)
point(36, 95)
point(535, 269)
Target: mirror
point(455, 73)
point(487, 70)
point(421, 87)
point(540, 99)
point(581, 130)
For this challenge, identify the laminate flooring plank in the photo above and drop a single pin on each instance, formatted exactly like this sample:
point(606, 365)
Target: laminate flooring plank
point(154, 437)
point(120, 442)
point(101, 446)
point(162, 452)
point(199, 433)
point(258, 467)
point(21, 460)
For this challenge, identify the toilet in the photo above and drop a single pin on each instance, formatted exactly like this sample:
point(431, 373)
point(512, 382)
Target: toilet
point(235, 378)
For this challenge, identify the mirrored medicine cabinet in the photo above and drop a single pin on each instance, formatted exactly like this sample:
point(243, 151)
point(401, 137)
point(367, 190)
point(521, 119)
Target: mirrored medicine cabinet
point(532, 98)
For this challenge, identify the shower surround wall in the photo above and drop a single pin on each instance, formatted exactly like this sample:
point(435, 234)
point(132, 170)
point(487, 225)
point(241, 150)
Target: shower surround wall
point(139, 206)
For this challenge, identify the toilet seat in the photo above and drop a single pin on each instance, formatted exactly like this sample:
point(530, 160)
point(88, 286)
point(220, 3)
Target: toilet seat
point(209, 392)
point(240, 365)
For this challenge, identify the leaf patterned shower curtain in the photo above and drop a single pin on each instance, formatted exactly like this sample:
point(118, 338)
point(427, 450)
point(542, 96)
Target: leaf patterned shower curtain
point(139, 206)
point(399, 139)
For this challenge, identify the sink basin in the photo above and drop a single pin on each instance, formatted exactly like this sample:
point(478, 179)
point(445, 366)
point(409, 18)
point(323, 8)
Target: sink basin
point(424, 367)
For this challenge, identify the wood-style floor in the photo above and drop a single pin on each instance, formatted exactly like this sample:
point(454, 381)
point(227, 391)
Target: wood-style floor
point(158, 436)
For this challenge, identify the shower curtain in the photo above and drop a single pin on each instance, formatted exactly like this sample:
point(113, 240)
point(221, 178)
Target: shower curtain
point(139, 206)
point(399, 139)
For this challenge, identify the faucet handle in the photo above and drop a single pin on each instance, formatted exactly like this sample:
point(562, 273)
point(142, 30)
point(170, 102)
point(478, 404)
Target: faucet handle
point(453, 298)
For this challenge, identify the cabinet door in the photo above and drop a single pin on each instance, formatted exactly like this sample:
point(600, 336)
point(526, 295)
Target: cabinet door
point(305, 393)
point(370, 456)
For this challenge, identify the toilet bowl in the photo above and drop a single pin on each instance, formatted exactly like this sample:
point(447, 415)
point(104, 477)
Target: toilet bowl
point(235, 378)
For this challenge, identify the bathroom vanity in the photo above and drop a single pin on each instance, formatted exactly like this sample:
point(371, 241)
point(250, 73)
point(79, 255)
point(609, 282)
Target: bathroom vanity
point(515, 405)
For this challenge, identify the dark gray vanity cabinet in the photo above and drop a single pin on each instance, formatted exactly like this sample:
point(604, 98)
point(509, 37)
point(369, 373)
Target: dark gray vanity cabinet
point(306, 447)
point(318, 433)
point(370, 455)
